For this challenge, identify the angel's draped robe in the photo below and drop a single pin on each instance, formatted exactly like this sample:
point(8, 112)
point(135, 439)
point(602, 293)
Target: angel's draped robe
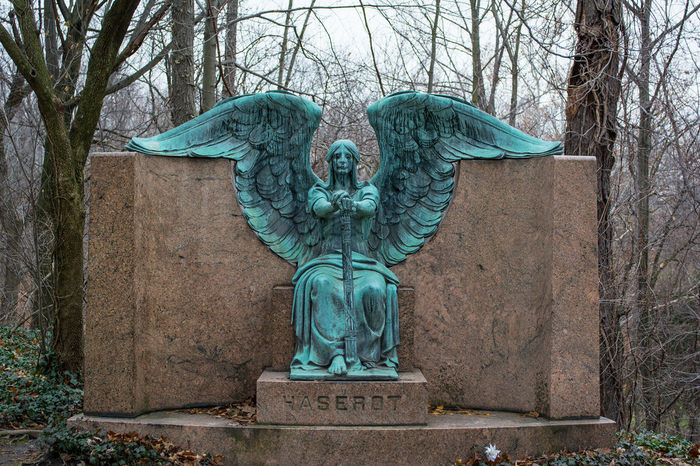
point(318, 315)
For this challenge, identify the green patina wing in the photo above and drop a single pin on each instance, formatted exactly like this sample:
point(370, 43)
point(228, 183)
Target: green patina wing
point(269, 136)
point(420, 136)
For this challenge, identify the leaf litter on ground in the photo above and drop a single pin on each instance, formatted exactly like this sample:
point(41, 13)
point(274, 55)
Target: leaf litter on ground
point(441, 410)
point(243, 413)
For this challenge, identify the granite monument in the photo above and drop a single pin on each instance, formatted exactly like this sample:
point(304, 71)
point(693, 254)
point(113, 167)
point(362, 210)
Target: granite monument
point(342, 234)
point(496, 313)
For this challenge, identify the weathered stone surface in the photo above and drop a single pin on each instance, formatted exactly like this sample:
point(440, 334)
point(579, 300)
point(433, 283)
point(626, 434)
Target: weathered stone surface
point(278, 328)
point(400, 402)
point(111, 379)
point(483, 290)
point(505, 294)
point(407, 328)
point(442, 441)
point(573, 325)
point(485, 308)
point(172, 258)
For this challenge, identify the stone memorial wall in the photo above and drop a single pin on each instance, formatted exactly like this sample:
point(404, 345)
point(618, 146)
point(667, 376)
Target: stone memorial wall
point(185, 306)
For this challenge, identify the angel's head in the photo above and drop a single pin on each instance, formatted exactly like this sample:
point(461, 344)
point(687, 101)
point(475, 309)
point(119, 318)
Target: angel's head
point(342, 158)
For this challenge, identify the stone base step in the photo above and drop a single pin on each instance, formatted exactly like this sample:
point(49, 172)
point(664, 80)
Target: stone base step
point(360, 373)
point(342, 403)
point(443, 440)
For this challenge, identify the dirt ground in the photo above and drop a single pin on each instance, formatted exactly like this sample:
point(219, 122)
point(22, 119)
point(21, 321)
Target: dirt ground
point(19, 449)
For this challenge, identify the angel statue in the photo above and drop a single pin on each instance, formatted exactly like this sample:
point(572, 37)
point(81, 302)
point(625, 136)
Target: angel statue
point(343, 234)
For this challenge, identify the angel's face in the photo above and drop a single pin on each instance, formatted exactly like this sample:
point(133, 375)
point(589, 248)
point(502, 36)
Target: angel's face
point(342, 161)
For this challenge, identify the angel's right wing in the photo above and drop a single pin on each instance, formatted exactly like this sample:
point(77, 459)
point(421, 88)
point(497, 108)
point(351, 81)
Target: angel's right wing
point(420, 136)
point(269, 136)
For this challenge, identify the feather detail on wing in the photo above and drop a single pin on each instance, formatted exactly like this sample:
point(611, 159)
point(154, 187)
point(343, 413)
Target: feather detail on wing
point(269, 136)
point(420, 136)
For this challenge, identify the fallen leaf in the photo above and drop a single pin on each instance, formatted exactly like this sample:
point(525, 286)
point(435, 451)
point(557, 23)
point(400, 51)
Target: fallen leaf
point(694, 450)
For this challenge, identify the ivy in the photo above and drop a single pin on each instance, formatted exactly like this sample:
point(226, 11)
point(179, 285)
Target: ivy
point(33, 395)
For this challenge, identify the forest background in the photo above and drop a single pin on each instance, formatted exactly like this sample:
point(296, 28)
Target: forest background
point(615, 79)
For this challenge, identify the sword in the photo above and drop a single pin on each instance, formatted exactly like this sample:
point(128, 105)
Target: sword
point(350, 327)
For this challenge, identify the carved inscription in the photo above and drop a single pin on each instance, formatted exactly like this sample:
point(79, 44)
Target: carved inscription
point(342, 402)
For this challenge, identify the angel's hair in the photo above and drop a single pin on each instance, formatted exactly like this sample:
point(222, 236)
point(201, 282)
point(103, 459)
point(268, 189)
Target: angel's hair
point(347, 144)
point(352, 148)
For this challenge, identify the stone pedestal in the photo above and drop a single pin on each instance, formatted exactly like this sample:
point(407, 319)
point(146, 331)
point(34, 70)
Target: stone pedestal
point(347, 403)
point(443, 440)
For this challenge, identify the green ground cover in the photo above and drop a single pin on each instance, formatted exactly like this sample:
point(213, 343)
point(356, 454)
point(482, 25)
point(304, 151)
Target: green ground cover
point(32, 395)
point(35, 397)
point(633, 449)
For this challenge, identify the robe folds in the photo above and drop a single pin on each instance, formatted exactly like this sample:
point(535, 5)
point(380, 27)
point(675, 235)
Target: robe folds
point(318, 312)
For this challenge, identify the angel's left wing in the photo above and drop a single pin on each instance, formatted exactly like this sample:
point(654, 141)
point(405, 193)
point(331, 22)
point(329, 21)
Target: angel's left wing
point(420, 136)
point(269, 136)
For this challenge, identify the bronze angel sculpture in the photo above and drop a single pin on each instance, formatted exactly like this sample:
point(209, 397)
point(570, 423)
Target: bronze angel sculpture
point(343, 234)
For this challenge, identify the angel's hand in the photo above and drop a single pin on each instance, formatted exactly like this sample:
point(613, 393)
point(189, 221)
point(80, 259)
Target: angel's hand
point(337, 197)
point(347, 205)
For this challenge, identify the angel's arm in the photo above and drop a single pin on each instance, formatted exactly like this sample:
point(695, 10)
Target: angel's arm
point(319, 203)
point(367, 205)
point(322, 206)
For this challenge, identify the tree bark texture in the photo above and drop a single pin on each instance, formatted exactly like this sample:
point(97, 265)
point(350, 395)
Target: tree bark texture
point(182, 93)
point(12, 228)
point(283, 51)
point(643, 190)
point(514, 71)
point(12, 223)
point(230, 49)
point(433, 46)
point(591, 110)
point(209, 58)
point(478, 91)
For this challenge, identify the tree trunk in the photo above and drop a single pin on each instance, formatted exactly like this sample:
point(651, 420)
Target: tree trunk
point(433, 46)
point(182, 93)
point(209, 56)
point(644, 306)
point(514, 71)
point(283, 51)
point(11, 222)
point(43, 302)
point(230, 49)
point(478, 92)
point(495, 76)
point(65, 81)
point(591, 110)
point(63, 293)
point(51, 41)
point(13, 227)
point(68, 263)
